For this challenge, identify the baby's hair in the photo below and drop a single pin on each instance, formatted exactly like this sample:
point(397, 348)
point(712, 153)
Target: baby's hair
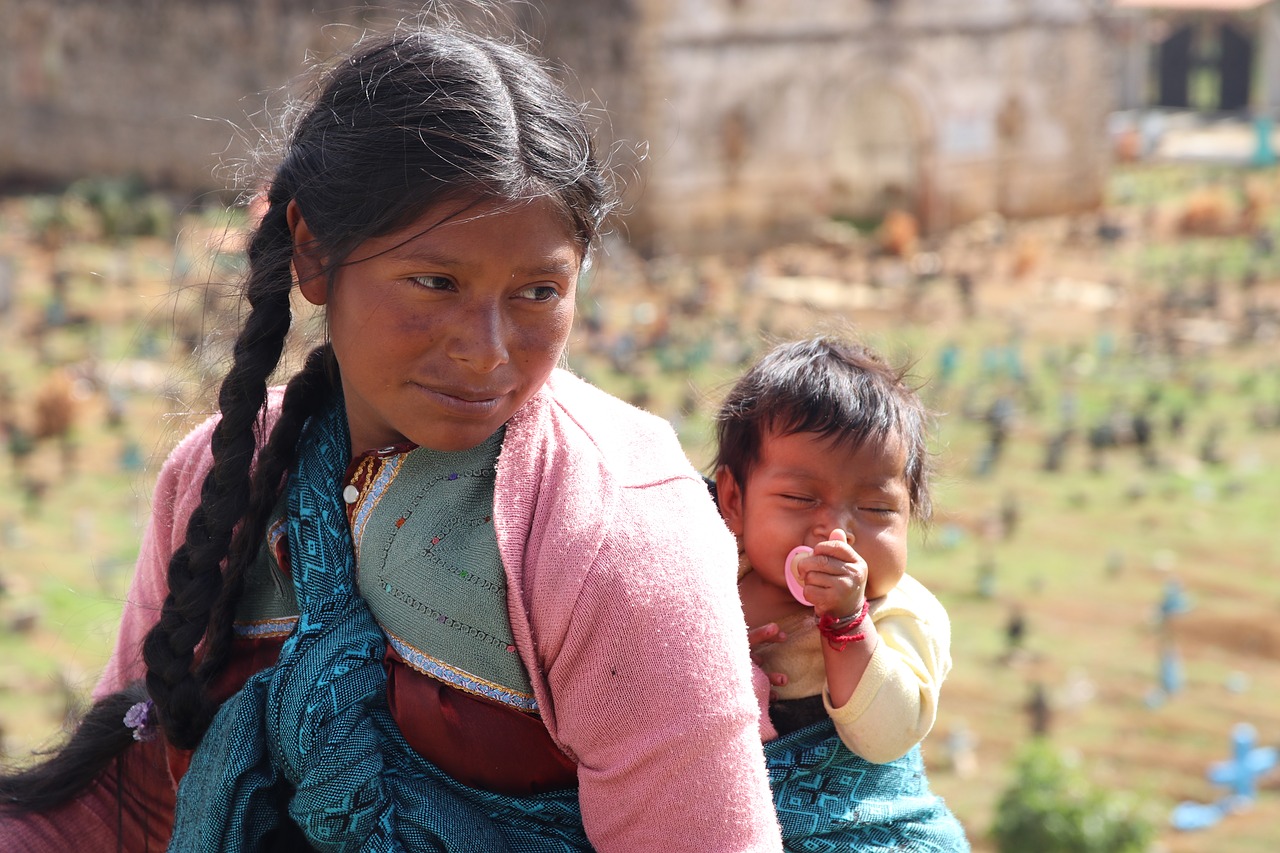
point(410, 120)
point(834, 389)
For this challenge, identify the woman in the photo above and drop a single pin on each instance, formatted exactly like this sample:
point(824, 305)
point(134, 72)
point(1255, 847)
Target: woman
point(439, 594)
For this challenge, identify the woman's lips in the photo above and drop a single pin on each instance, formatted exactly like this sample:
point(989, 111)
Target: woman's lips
point(463, 401)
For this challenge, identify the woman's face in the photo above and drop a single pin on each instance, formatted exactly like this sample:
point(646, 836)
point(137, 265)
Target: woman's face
point(443, 329)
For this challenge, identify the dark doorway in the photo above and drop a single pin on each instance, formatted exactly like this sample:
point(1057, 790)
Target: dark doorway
point(1206, 65)
point(1235, 64)
point(1175, 69)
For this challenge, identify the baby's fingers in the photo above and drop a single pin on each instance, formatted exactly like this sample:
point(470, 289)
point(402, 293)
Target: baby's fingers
point(837, 547)
point(767, 633)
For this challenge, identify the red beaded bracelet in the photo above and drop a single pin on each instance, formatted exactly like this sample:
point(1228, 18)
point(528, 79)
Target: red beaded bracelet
point(836, 630)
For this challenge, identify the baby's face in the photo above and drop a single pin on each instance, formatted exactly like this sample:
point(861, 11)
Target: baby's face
point(805, 486)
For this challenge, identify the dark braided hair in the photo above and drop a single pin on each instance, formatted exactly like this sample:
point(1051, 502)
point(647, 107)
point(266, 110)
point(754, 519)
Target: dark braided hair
point(304, 396)
point(195, 576)
point(407, 121)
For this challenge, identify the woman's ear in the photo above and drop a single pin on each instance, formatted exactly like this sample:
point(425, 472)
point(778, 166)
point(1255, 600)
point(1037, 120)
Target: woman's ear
point(307, 264)
point(730, 498)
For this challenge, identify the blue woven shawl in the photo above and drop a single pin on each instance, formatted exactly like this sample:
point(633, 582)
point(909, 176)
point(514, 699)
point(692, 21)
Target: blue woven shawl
point(829, 799)
point(312, 734)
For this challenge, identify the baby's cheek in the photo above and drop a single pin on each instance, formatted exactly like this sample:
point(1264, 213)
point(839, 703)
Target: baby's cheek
point(881, 580)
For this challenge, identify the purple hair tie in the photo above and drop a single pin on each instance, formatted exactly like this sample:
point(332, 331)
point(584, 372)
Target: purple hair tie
point(138, 718)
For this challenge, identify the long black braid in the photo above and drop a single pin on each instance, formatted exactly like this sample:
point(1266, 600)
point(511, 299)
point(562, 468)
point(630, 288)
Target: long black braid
point(305, 396)
point(195, 569)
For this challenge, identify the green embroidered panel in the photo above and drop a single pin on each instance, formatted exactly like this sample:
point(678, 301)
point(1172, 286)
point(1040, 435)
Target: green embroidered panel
point(430, 569)
point(428, 563)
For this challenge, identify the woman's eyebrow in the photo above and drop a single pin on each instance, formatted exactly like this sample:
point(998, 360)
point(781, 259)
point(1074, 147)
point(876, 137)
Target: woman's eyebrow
point(551, 266)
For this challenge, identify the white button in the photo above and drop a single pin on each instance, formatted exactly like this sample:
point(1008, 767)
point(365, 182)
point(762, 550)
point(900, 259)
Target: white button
point(350, 494)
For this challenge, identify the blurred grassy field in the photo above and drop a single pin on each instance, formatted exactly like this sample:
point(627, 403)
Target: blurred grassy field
point(1086, 562)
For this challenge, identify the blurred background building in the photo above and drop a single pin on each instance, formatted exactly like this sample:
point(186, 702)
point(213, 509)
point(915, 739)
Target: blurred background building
point(734, 122)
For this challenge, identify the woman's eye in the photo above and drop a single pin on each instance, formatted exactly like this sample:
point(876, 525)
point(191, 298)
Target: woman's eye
point(540, 293)
point(433, 282)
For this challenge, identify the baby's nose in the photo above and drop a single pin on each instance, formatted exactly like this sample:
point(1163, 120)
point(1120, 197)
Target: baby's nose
point(837, 520)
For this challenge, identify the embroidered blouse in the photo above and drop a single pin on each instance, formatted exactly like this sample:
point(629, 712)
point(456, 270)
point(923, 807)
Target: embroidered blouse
point(428, 562)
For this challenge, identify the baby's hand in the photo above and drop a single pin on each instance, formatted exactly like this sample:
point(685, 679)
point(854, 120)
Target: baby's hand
point(834, 577)
point(764, 635)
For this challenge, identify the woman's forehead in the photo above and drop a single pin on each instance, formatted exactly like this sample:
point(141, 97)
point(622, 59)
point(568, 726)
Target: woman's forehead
point(446, 232)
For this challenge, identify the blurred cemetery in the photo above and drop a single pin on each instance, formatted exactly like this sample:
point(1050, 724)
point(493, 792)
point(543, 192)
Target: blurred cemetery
point(1106, 377)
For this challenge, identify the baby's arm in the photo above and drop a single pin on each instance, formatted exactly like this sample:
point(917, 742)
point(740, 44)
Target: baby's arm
point(835, 581)
point(896, 701)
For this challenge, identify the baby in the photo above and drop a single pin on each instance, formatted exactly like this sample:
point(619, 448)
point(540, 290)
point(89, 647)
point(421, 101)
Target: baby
point(821, 465)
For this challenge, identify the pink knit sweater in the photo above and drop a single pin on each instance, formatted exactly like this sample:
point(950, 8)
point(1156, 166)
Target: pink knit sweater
point(623, 602)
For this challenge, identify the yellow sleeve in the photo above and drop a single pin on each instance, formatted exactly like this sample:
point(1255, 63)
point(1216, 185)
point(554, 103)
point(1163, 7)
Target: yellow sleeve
point(896, 702)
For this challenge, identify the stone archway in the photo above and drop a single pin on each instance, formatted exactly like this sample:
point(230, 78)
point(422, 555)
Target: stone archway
point(879, 155)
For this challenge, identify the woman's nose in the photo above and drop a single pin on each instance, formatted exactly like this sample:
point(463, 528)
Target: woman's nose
point(480, 337)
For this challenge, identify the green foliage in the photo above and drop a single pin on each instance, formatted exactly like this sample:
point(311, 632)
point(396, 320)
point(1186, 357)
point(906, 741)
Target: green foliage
point(46, 218)
point(863, 224)
point(124, 207)
point(1050, 807)
point(94, 208)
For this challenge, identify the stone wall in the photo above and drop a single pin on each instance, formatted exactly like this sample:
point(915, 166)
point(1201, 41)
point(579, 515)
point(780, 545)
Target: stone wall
point(761, 115)
point(168, 90)
point(729, 121)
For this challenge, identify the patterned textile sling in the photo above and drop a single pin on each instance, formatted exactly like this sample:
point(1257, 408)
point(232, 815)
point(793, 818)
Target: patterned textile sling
point(312, 735)
point(829, 799)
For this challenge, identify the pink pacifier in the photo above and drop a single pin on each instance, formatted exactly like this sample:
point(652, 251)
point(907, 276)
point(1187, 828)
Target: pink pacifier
point(793, 582)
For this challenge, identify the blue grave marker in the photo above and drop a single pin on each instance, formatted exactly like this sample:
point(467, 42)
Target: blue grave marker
point(948, 362)
point(1240, 773)
point(131, 458)
point(1171, 677)
point(1189, 816)
point(1174, 601)
point(1263, 152)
